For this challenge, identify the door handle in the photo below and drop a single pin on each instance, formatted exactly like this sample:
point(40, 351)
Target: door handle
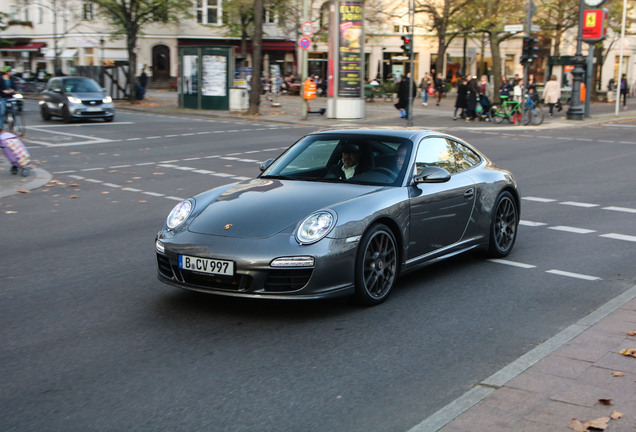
point(469, 193)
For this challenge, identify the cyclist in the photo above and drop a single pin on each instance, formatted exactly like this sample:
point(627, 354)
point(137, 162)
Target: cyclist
point(7, 89)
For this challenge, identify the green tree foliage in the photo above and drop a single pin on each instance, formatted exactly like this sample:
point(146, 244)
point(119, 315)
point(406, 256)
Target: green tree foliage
point(5, 23)
point(128, 18)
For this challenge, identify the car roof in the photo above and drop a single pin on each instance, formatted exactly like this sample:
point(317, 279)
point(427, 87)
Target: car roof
point(399, 132)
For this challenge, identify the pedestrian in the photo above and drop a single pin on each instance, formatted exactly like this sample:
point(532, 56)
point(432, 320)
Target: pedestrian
point(460, 102)
point(471, 100)
point(439, 84)
point(552, 93)
point(505, 88)
point(485, 94)
point(140, 89)
point(624, 90)
point(531, 89)
point(403, 95)
point(7, 88)
point(424, 85)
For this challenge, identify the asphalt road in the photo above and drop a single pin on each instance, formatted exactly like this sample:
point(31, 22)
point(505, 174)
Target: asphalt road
point(90, 340)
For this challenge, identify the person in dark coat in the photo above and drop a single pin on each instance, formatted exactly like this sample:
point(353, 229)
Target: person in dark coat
point(403, 95)
point(460, 102)
point(471, 100)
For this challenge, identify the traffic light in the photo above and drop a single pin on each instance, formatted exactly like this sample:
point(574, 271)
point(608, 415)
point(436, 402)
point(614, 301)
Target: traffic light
point(407, 44)
point(528, 50)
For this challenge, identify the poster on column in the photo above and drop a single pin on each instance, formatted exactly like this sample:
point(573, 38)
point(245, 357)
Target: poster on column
point(214, 75)
point(350, 53)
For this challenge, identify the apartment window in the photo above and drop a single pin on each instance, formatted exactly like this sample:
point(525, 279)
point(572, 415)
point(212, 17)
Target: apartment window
point(209, 11)
point(40, 14)
point(89, 56)
point(269, 17)
point(401, 29)
point(14, 12)
point(87, 11)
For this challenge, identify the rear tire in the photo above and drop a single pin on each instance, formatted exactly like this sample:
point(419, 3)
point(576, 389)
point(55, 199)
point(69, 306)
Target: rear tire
point(376, 266)
point(496, 114)
point(503, 226)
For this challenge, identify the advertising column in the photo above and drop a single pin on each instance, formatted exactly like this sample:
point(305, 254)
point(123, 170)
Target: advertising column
point(346, 60)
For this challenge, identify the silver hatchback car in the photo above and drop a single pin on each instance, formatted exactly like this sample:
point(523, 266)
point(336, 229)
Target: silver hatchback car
point(75, 98)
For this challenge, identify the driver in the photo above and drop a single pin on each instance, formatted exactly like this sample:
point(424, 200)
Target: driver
point(350, 163)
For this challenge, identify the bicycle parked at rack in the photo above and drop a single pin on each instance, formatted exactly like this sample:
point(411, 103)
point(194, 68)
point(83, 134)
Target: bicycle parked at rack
point(13, 121)
point(508, 109)
point(532, 112)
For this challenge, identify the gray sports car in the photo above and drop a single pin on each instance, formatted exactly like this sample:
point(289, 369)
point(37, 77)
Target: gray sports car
point(341, 212)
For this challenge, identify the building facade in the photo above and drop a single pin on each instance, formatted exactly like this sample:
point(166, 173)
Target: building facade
point(80, 37)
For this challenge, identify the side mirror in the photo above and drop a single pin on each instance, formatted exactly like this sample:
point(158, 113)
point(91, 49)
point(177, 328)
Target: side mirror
point(266, 164)
point(432, 174)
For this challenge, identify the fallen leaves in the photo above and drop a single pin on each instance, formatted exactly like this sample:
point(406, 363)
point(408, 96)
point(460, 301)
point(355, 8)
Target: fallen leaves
point(618, 374)
point(599, 424)
point(628, 352)
point(605, 401)
point(631, 333)
point(23, 191)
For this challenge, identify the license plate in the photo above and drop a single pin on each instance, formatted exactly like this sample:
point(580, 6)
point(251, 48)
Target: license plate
point(93, 109)
point(205, 265)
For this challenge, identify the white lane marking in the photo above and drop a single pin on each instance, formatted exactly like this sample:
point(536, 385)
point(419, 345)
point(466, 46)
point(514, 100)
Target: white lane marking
point(573, 275)
point(129, 189)
point(578, 204)
point(133, 139)
point(154, 194)
point(92, 169)
point(607, 141)
point(512, 263)
point(242, 178)
point(92, 124)
point(620, 209)
point(203, 172)
point(146, 163)
point(93, 180)
point(111, 185)
point(119, 166)
point(530, 223)
point(627, 142)
point(153, 137)
point(619, 237)
point(571, 229)
point(538, 199)
point(174, 198)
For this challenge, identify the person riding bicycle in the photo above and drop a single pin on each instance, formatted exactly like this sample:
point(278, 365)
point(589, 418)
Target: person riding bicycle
point(7, 88)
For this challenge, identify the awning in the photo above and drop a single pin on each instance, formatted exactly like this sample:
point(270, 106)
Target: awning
point(67, 53)
point(30, 47)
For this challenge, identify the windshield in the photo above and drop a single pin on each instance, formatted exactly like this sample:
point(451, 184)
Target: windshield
point(81, 85)
point(363, 159)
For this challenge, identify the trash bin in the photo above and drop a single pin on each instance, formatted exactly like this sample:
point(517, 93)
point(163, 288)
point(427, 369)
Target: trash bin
point(238, 99)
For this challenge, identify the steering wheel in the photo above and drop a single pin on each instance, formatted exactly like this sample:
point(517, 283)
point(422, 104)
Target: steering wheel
point(386, 171)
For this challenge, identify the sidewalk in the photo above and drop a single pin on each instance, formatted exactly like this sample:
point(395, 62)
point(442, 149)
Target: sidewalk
point(287, 109)
point(578, 374)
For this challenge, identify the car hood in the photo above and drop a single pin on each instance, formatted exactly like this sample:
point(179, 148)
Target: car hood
point(263, 207)
point(87, 95)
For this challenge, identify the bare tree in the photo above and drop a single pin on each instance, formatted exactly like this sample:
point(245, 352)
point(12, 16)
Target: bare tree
point(130, 16)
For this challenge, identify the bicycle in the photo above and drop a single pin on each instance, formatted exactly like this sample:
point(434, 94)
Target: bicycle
point(509, 109)
point(12, 118)
point(532, 112)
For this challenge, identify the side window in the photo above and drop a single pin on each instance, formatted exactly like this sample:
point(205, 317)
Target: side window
point(435, 152)
point(465, 158)
point(56, 85)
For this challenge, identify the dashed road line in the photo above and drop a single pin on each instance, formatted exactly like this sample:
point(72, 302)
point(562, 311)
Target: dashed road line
point(578, 204)
point(619, 237)
point(531, 223)
point(573, 275)
point(512, 263)
point(538, 199)
point(571, 229)
point(620, 209)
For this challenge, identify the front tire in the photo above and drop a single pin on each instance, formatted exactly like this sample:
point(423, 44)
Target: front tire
point(45, 113)
point(497, 114)
point(503, 226)
point(66, 115)
point(376, 266)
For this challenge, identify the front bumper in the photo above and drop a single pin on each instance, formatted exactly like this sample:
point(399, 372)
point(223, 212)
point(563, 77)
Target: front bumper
point(88, 111)
point(332, 274)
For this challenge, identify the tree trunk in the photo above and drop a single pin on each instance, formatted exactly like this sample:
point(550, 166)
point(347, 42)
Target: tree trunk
point(131, 41)
point(496, 64)
point(257, 58)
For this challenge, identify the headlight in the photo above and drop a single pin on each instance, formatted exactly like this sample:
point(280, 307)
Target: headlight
point(179, 214)
point(18, 96)
point(315, 227)
point(74, 100)
point(107, 99)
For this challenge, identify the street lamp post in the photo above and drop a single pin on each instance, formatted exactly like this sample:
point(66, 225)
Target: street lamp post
point(576, 112)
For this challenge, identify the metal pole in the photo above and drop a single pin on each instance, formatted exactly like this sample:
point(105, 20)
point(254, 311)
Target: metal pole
point(620, 59)
point(303, 65)
point(575, 112)
point(409, 118)
point(588, 81)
